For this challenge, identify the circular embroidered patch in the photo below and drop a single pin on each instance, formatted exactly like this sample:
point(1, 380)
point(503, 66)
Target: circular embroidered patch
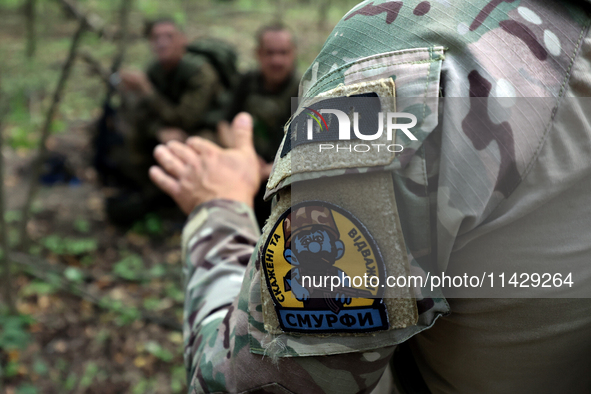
point(324, 271)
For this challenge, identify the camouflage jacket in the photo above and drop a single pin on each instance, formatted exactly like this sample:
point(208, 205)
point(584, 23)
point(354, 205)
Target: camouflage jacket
point(270, 110)
point(501, 132)
point(186, 97)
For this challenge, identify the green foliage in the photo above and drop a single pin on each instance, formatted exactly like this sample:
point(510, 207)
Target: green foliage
point(144, 386)
point(174, 291)
point(125, 314)
point(130, 267)
point(151, 303)
point(40, 367)
point(58, 126)
point(11, 369)
point(70, 382)
point(155, 349)
point(82, 225)
point(54, 279)
point(35, 250)
point(74, 274)
point(13, 332)
point(69, 246)
point(26, 388)
point(12, 216)
point(157, 271)
point(61, 364)
point(13, 237)
point(11, 4)
point(90, 372)
point(151, 225)
point(102, 336)
point(38, 287)
point(178, 379)
point(87, 260)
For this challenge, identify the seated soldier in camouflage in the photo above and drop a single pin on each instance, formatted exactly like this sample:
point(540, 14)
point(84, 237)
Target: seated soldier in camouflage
point(491, 179)
point(178, 96)
point(266, 94)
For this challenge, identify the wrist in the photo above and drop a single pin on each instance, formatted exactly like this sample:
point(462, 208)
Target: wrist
point(228, 203)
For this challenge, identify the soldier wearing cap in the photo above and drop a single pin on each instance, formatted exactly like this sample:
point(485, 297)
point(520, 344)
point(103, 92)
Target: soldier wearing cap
point(496, 181)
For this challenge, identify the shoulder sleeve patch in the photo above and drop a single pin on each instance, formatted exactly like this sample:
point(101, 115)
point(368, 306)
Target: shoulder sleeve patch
point(324, 265)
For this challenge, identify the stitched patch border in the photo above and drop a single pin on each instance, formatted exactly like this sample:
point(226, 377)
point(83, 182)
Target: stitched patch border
point(317, 239)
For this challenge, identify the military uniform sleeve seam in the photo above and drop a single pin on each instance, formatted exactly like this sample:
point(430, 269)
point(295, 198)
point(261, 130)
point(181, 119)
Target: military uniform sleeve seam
point(427, 84)
point(373, 68)
point(376, 58)
point(560, 95)
point(551, 121)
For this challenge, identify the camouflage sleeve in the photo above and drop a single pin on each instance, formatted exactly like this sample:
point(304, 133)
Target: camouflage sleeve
point(218, 242)
point(189, 112)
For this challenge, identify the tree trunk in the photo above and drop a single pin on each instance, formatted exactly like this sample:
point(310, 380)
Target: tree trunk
point(5, 259)
point(30, 13)
point(124, 11)
point(42, 150)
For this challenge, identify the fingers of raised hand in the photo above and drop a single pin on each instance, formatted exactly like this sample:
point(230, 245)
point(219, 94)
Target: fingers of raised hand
point(202, 146)
point(165, 182)
point(186, 154)
point(169, 161)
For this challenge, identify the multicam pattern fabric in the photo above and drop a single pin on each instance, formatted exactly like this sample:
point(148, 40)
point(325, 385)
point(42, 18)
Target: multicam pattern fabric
point(447, 187)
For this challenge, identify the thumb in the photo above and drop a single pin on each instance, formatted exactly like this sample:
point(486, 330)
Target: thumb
point(242, 132)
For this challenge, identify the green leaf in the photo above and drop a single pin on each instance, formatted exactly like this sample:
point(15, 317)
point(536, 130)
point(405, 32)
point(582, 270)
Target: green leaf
point(13, 333)
point(70, 381)
point(130, 267)
point(26, 388)
point(35, 250)
point(178, 379)
point(174, 291)
point(69, 246)
point(38, 288)
point(87, 260)
point(74, 274)
point(40, 367)
point(151, 303)
point(82, 225)
point(12, 216)
point(158, 351)
point(157, 271)
point(90, 373)
point(153, 224)
point(11, 369)
point(58, 126)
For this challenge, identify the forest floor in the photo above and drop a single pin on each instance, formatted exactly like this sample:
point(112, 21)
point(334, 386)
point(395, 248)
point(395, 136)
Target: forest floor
point(100, 307)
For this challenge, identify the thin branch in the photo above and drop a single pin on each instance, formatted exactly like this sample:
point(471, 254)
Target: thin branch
point(123, 32)
point(95, 66)
point(5, 259)
point(59, 269)
point(93, 22)
point(30, 15)
point(38, 162)
point(123, 40)
point(42, 271)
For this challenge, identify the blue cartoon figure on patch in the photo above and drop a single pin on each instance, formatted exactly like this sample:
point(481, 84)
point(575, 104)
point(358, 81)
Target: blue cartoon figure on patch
point(312, 246)
point(311, 260)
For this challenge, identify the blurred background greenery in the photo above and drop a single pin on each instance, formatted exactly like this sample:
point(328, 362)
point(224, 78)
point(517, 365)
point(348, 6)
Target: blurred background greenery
point(98, 309)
